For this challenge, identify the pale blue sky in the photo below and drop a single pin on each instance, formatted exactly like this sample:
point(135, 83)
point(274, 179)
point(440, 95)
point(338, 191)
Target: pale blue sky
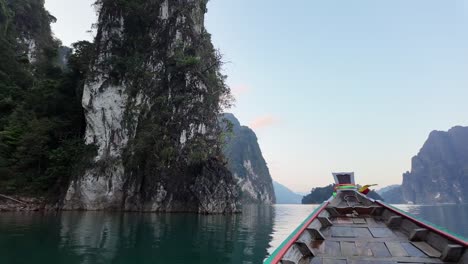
point(333, 85)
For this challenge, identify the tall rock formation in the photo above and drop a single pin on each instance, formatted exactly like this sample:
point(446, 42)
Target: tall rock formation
point(439, 173)
point(246, 162)
point(151, 102)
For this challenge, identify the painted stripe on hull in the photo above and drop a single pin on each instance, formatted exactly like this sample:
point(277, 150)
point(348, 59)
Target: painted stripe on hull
point(284, 247)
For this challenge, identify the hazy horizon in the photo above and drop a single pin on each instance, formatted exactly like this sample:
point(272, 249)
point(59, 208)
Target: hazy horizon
point(332, 85)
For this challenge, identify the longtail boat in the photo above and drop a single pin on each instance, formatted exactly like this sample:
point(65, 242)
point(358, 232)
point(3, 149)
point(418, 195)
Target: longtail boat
point(351, 228)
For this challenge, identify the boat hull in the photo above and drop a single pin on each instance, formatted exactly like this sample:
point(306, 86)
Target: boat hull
point(352, 228)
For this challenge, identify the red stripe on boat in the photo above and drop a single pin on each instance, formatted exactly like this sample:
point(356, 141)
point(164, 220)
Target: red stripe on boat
point(285, 249)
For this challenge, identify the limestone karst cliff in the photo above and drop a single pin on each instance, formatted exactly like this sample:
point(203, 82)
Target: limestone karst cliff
point(439, 173)
point(246, 162)
point(151, 101)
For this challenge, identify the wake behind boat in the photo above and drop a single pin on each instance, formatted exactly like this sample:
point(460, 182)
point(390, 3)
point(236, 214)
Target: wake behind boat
point(351, 228)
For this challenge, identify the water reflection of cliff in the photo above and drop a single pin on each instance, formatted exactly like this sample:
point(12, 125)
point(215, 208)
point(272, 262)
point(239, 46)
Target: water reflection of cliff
point(92, 236)
point(168, 238)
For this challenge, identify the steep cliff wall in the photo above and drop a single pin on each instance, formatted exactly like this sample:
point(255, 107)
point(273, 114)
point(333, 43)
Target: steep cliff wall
point(246, 162)
point(439, 173)
point(151, 102)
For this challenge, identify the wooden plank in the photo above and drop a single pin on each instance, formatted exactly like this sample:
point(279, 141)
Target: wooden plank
point(293, 255)
point(318, 247)
point(316, 260)
point(453, 252)
point(305, 237)
point(315, 234)
point(332, 248)
point(407, 226)
point(324, 213)
point(359, 221)
point(436, 241)
point(348, 249)
point(396, 249)
point(400, 234)
point(386, 214)
point(366, 239)
point(343, 220)
point(371, 222)
point(325, 221)
point(339, 231)
point(396, 259)
point(394, 221)
point(334, 261)
point(364, 210)
point(316, 224)
point(349, 261)
point(412, 250)
point(418, 234)
point(362, 232)
point(379, 249)
point(464, 258)
point(363, 248)
point(304, 249)
point(381, 232)
point(427, 249)
point(332, 211)
point(378, 211)
point(326, 231)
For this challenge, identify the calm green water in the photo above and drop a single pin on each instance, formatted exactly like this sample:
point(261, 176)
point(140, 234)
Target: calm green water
point(96, 237)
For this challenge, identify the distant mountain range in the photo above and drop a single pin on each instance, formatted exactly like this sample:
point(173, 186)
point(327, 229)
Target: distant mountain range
point(392, 194)
point(284, 195)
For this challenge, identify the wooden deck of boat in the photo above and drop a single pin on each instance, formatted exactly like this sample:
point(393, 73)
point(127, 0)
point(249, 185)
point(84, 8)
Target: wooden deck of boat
point(351, 228)
point(373, 233)
point(366, 239)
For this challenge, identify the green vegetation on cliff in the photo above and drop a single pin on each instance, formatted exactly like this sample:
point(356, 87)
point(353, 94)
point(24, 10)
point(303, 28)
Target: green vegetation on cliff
point(152, 100)
point(137, 110)
point(41, 120)
point(320, 194)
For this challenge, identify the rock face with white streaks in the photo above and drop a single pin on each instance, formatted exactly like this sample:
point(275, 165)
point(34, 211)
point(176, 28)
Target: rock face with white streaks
point(151, 104)
point(246, 162)
point(439, 172)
